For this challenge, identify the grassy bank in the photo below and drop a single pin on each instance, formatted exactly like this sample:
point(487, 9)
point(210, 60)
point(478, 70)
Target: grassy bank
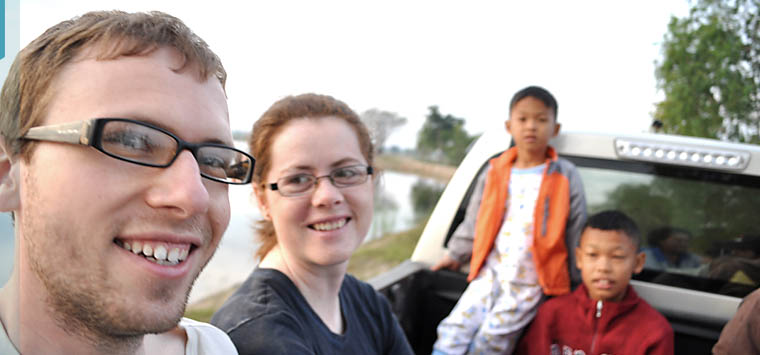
point(380, 255)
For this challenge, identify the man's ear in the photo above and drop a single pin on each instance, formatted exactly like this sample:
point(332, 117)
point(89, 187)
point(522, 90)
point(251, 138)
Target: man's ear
point(9, 179)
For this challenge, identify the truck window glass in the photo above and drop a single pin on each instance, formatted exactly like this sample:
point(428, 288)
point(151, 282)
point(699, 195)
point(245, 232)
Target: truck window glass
point(718, 248)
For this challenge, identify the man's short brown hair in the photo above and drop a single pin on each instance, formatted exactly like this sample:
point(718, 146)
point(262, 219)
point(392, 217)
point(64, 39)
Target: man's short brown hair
point(27, 92)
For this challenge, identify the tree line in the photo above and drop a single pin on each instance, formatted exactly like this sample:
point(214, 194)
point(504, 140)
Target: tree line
point(709, 73)
point(442, 138)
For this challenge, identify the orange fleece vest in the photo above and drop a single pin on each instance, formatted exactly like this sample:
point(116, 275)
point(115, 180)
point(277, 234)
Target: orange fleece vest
point(549, 221)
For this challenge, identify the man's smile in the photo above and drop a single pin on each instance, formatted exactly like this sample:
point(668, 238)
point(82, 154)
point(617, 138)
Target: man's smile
point(157, 252)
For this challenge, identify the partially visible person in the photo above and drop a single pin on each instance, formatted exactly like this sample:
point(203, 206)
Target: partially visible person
point(520, 228)
point(741, 335)
point(669, 249)
point(313, 182)
point(115, 159)
point(740, 267)
point(746, 246)
point(604, 315)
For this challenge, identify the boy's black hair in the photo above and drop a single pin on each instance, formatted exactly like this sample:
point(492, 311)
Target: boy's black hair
point(613, 220)
point(539, 93)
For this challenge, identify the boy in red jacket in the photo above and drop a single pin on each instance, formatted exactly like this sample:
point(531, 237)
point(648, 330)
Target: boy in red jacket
point(604, 315)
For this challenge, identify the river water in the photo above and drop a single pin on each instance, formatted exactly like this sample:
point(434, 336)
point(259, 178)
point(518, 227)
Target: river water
point(234, 259)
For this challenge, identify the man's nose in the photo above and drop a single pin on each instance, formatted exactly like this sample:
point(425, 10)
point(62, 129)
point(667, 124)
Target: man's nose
point(180, 187)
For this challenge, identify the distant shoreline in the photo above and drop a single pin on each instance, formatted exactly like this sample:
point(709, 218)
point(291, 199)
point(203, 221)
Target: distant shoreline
point(405, 164)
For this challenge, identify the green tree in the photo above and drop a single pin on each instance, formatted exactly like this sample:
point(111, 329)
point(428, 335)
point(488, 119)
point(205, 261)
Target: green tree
point(424, 197)
point(443, 138)
point(710, 72)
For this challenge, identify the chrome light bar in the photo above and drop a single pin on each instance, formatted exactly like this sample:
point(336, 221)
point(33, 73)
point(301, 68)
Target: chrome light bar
point(704, 157)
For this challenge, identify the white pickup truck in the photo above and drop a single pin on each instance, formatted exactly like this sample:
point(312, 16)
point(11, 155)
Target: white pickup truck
point(709, 188)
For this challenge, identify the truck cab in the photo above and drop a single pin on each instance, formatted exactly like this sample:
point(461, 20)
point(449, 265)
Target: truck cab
point(706, 189)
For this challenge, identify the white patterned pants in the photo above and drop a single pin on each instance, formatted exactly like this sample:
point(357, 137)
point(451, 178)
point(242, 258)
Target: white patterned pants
point(489, 317)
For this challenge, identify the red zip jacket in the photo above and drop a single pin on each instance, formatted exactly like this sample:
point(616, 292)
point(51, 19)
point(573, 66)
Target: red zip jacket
point(573, 322)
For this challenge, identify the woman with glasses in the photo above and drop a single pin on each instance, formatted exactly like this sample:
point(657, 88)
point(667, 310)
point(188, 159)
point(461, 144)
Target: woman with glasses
point(313, 183)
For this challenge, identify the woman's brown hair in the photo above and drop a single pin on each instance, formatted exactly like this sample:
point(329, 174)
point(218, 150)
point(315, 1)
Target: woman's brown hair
point(272, 122)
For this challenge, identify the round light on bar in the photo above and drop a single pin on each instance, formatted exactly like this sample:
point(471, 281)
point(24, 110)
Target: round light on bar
point(690, 155)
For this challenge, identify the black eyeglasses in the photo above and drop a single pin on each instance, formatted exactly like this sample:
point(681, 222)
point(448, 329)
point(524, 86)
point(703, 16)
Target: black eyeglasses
point(144, 144)
point(301, 184)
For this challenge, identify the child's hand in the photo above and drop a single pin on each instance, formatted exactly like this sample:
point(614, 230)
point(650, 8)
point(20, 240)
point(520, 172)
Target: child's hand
point(447, 262)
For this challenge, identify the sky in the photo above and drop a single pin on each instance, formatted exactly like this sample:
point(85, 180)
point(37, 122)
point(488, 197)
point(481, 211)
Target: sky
point(466, 57)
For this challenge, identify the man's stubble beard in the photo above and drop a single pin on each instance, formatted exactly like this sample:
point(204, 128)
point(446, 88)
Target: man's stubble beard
point(84, 301)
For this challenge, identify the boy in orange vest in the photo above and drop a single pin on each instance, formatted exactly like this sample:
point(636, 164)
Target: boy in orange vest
point(520, 229)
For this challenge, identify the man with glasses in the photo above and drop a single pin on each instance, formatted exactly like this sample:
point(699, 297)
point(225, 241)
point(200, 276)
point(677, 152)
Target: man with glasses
point(115, 159)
